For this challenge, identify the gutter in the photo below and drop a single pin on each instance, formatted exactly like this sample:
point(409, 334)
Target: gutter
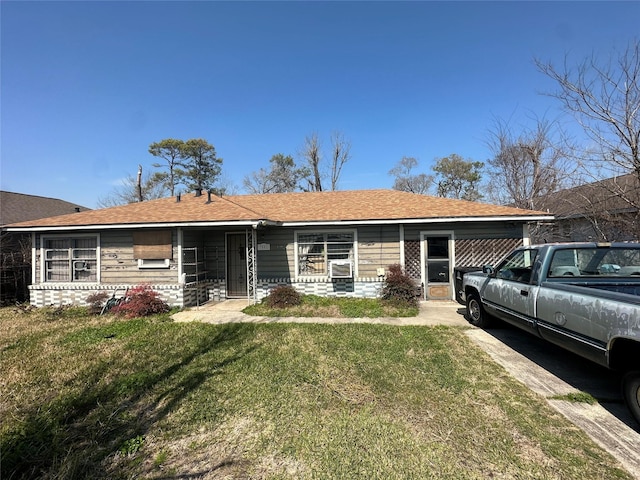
point(125, 226)
point(271, 223)
point(405, 221)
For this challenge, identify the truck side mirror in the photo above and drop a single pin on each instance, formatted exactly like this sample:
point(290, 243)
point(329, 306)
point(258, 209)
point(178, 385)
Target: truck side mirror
point(488, 269)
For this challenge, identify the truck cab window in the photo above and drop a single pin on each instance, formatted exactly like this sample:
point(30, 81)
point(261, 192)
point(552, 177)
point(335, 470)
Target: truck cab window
point(518, 266)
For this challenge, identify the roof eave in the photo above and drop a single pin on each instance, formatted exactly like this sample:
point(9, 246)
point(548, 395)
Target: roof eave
point(263, 223)
point(511, 218)
point(128, 226)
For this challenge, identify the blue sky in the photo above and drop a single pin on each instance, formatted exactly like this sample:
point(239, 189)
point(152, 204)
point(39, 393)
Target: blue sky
point(87, 86)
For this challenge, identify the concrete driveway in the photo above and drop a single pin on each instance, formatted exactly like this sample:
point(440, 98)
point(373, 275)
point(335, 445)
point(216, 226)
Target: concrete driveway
point(550, 371)
point(542, 367)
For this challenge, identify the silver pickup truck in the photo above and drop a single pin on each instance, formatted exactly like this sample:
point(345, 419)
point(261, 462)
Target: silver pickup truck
point(584, 297)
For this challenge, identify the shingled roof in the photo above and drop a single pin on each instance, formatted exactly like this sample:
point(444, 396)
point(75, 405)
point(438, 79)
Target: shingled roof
point(20, 207)
point(285, 208)
point(612, 195)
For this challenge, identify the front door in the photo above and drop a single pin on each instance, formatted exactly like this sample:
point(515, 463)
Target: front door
point(437, 266)
point(236, 265)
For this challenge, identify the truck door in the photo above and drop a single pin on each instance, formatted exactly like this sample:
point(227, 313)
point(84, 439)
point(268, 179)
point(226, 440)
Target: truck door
point(509, 294)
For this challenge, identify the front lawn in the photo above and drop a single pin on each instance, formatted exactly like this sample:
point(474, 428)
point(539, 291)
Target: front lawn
point(335, 307)
point(100, 397)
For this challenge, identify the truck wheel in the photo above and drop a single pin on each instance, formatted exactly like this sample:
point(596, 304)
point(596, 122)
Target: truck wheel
point(631, 392)
point(475, 312)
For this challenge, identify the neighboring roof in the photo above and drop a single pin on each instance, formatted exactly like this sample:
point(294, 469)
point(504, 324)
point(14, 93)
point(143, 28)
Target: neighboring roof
point(612, 195)
point(355, 206)
point(20, 207)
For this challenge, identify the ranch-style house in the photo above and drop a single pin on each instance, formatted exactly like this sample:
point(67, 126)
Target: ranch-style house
point(198, 247)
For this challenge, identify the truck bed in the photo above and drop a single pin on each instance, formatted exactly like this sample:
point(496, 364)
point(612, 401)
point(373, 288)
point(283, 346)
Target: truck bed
point(628, 291)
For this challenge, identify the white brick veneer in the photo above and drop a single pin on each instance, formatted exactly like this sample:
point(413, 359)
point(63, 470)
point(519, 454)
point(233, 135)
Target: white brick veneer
point(178, 295)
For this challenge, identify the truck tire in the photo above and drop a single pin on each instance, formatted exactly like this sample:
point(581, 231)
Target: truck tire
point(631, 392)
point(475, 312)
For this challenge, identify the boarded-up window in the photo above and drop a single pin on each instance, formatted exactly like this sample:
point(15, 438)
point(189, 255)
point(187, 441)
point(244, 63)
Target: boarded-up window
point(152, 245)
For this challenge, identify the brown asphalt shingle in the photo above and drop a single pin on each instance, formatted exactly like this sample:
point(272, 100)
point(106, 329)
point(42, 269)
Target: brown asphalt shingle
point(367, 205)
point(354, 205)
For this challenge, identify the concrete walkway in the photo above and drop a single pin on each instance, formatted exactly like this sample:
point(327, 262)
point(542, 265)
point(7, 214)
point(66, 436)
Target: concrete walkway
point(229, 311)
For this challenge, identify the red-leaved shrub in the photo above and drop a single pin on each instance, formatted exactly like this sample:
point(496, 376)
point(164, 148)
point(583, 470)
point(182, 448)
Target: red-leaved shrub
point(283, 296)
point(140, 302)
point(399, 288)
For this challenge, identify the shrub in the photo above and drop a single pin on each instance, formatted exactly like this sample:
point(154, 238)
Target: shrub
point(140, 302)
point(399, 288)
point(96, 301)
point(283, 296)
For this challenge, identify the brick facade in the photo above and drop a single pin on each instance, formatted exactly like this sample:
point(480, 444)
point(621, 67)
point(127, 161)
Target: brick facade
point(178, 295)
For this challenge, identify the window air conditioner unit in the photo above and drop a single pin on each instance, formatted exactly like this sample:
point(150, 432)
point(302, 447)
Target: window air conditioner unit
point(80, 266)
point(340, 269)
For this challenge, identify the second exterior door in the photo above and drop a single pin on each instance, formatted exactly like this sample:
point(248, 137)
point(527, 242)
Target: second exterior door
point(437, 250)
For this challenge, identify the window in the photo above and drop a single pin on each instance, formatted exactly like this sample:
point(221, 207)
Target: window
point(437, 259)
point(518, 266)
point(595, 261)
point(70, 259)
point(153, 263)
point(316, 250)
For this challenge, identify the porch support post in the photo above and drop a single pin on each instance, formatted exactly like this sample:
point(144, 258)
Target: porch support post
point(34, 260)
point(401, 233)
point(179, 239)
point(252, 265)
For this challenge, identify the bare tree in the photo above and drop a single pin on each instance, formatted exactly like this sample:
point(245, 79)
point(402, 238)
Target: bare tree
point(258, 182)
point(224, 185)
point(406, 181)
point(314, 170)
point(128, 192)
point(526, 165)
point(340, 154)
point(605, 100)
point(312, 157)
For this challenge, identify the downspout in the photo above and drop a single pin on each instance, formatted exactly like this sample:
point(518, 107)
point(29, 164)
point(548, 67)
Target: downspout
point(34, 253)
point(181, 276)
point(252, 262)
point(401, 232)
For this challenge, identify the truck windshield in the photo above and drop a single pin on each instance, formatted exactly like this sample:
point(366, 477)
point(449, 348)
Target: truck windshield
point(585, 262)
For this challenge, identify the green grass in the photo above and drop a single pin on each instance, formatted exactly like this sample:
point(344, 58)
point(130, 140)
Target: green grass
point(576, 397)
point(347, 307)
point(86, 397)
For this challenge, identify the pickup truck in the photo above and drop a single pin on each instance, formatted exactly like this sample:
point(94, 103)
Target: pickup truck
point(584, 297)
